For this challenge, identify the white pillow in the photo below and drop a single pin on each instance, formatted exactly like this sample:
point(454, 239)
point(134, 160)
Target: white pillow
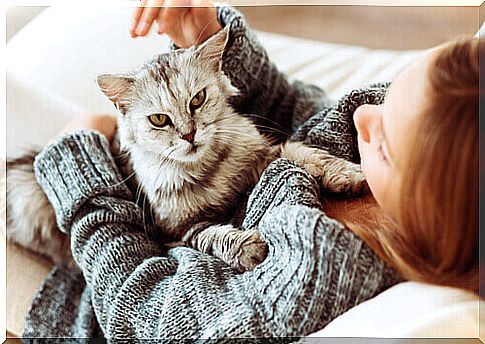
point(410, 310)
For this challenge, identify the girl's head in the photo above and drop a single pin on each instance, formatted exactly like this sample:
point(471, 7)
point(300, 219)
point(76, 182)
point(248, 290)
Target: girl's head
point(419, 152)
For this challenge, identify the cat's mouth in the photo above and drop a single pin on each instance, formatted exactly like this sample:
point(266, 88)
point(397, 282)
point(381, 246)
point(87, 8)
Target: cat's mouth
point(188, 153)
point(193, 149)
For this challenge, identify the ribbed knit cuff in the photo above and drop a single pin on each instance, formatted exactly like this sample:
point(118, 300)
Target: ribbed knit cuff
point(244, 56)
point(75, 168)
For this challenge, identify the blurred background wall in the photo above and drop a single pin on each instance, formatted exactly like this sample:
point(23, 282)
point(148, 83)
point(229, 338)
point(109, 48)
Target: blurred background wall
point(390, 27)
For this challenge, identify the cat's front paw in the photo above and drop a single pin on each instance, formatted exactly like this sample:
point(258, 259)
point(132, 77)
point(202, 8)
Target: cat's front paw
point(347, 178)
point(251, 251)
point(332, 173)
point(336, 175)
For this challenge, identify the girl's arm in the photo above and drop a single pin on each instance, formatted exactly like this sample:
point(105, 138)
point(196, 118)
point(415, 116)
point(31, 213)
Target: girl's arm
point(265, 91)
point(315, 269)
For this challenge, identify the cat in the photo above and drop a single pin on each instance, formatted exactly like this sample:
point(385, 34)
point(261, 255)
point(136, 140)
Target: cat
point(192, 155)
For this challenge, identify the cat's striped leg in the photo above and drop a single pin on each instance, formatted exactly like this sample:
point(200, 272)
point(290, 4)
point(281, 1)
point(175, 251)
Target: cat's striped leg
point(242, 250)
point(332, 173)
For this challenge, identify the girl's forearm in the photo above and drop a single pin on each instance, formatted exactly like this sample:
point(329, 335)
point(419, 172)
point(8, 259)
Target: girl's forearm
point(92, 203)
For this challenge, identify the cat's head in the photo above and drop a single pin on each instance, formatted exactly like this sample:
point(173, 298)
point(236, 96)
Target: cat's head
point(174, 105)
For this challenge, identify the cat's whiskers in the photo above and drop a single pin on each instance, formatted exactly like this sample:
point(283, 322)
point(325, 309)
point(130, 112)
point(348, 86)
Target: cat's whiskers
point(236, 135)
point(272, 129)
point(152, 217)
point(123, 181)
point(266, 119)
point(138, 193)
point(143, 215)
point(249, 115)
point(218, 120)
point(236, 141)
point(121, 156)
point(168, 155)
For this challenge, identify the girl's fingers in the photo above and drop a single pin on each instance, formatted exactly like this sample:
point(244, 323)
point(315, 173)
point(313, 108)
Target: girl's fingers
point(205, 18)
point(173, 11)
point(187, 22)
point(191, 24)
point(136, 17)
point(149, 14)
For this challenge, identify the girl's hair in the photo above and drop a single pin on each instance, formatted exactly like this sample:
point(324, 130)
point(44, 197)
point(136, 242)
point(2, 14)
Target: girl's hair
point(434, 238)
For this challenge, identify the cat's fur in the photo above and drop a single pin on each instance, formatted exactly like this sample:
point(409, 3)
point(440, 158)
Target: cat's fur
point(192, 171)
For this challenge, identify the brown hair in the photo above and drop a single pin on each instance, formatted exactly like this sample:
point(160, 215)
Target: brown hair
point(434, 238)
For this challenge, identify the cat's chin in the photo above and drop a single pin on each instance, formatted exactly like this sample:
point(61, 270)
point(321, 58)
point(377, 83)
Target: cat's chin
point(190, 154)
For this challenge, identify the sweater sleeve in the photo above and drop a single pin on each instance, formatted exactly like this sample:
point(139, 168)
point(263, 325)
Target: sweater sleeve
point(315, 269)
point(294, 110)
point(108, 243)
point(266, 94)
point(333, 128)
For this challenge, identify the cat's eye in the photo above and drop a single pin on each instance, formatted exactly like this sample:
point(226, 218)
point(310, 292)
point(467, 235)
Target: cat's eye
point(198, 100)
point(159, 120)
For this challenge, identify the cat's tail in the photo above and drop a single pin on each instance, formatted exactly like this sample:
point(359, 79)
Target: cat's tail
point(31, 220)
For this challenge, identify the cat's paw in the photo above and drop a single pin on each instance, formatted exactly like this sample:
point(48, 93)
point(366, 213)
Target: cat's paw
point(336, 175)
point(251, 251)
point(348, 178)
point(333, 174)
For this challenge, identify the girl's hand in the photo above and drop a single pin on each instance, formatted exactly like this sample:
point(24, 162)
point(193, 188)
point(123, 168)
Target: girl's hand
point(104, 124)
point(187, 22)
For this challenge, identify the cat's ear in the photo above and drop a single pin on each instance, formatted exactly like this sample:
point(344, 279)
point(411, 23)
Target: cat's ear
point(115, 87)
point(213, 48)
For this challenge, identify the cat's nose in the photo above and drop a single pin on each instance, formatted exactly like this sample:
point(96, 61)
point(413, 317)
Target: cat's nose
point(189, 137)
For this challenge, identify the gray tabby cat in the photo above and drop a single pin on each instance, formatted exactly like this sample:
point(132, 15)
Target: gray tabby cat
point(191, 154)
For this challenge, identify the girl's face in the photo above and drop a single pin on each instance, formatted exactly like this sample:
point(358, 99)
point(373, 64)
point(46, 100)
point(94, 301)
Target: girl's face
point(385, 131)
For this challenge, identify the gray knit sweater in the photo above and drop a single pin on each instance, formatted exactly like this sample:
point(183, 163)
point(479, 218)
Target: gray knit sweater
point(129, 287)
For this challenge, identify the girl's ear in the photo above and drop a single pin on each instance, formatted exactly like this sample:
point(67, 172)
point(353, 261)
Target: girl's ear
point(212, 49)
point(116, 88)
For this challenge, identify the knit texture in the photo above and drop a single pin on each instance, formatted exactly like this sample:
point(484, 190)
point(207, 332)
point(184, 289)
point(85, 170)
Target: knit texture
point(276, 105)
point(134, 289)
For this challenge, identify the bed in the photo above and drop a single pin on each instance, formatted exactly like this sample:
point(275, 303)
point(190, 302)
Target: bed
point(51, 78)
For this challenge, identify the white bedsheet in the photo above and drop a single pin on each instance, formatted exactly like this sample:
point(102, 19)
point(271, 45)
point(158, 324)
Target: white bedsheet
point(51, 67)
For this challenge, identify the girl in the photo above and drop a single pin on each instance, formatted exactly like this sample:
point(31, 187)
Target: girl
point(417, 142)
